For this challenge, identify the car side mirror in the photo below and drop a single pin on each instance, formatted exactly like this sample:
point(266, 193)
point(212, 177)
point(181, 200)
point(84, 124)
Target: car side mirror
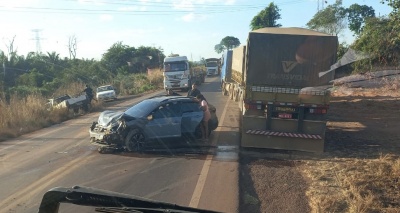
point(150, 117)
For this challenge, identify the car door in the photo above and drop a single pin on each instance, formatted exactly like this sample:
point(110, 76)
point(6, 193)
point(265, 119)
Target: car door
point(192, 115)
point(164, 122)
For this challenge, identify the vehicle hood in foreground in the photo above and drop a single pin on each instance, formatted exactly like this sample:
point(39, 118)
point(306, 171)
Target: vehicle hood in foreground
point(108, 117)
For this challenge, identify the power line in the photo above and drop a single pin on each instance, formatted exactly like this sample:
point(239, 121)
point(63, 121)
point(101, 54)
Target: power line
point(163, 4)
point(200, 9)
point(94, 12)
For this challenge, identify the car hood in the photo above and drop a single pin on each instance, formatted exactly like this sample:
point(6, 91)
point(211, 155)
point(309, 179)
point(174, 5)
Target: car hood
point(105, 92)
point(108, 117)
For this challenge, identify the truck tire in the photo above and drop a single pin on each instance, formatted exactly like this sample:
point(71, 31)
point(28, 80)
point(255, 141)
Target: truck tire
point(231, 91)
point(223, 89)
point(134, 141)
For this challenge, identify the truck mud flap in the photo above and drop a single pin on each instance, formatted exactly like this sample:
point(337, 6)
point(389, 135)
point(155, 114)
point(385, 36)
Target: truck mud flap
point(282, 140)
point(283, 134)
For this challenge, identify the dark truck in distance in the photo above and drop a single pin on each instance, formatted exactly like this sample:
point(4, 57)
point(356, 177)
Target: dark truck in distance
point(275, 79)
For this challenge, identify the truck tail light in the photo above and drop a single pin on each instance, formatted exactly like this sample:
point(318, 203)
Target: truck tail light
point(318, 110)
point(257, 105)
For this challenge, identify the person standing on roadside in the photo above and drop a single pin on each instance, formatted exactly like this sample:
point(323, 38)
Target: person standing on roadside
point(89, 92)
point(206, 117)
point(194, 92)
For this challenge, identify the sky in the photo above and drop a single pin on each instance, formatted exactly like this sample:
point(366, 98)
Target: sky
point(184, 27)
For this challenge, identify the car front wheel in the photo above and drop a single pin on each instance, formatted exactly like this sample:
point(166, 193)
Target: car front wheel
point(134, 141)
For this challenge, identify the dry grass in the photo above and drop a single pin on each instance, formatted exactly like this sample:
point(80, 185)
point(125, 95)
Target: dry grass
point(156, 78)
point(354, 177)
point(23, 115)
point(357, 185)
point(28, 114)
point(73, 89)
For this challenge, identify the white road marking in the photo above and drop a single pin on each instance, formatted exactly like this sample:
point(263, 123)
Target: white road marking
point(194, 202)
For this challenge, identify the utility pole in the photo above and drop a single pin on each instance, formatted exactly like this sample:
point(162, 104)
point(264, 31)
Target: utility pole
point(37, 39)
point(321, 3)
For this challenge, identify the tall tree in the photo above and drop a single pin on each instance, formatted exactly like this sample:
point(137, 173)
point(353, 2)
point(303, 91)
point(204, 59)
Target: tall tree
point(72, 46)
point(331, 20)
point(357, 14)
point(380, 38)
point(266, 17)
point(118, 56)
point(219, 48)
point(227, 43)
point(395, 4)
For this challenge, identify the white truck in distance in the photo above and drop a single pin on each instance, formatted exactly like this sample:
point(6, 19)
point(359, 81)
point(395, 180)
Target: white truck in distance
point(177, 73)
point(212, 65)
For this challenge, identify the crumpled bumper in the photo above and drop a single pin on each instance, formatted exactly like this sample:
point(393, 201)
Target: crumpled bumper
point(101, 136)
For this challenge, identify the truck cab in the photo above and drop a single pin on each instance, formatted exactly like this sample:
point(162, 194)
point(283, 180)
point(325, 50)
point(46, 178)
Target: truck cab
point(177, 73)
point(212, 65)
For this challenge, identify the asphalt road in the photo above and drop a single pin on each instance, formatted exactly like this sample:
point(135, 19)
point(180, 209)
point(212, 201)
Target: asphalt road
point(197, 175)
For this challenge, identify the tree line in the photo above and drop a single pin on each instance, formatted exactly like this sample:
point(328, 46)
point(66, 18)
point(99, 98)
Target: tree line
point(44, 73)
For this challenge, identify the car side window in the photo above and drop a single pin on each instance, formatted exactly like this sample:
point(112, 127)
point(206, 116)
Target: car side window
point(190, 107)
point(168, 110)
point(175, 108)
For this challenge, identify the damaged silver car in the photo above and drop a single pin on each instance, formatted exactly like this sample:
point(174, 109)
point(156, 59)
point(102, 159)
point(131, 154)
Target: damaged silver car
point(155, 119)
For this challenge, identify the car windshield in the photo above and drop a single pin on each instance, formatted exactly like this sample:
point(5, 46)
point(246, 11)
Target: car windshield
point(175, 66)
point(212, 64)
point(141, 109)
point(104, 88)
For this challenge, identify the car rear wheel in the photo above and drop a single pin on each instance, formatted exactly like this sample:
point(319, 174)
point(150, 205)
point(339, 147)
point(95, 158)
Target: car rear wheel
point(134, 141)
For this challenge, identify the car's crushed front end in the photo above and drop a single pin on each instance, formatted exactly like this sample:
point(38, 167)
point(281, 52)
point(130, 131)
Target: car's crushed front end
point(108, 131)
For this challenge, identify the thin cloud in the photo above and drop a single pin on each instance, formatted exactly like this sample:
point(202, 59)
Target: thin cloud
point(192, 5)
point(106, 18)
point(133, 8)
point(191, 17)
point(135, 32)
point(183, 4)
point(230, 2)
point(95, 2)
point(20, 3)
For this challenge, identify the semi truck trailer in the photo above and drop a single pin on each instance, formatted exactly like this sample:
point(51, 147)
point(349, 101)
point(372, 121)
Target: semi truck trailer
point(274, 79)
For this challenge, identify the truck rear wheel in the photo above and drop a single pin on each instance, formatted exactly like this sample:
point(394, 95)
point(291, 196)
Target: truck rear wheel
point(223, 88)
point(231, 91)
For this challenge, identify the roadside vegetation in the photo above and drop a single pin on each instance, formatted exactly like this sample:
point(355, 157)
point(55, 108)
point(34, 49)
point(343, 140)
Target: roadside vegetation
point(28, 82)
